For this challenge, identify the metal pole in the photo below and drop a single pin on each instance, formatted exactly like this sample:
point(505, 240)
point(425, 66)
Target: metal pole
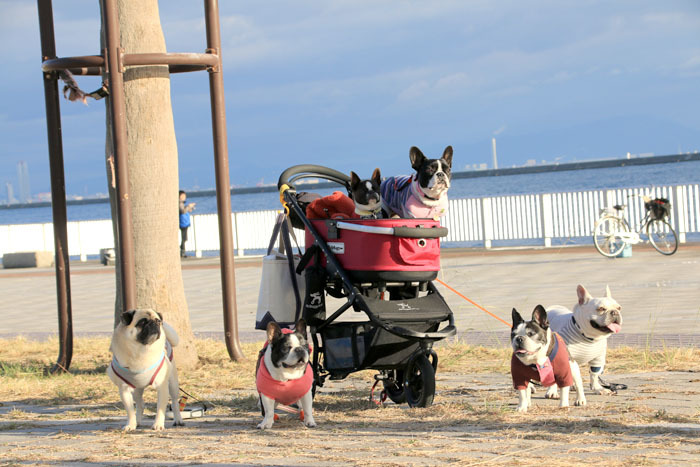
point(223, 185)
point(117, 108)
point(58, 190)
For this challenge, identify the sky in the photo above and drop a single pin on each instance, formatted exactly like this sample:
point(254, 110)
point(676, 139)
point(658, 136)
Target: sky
point(353, 84)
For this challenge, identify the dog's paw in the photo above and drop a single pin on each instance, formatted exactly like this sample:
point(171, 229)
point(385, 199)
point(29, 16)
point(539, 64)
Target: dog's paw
point(309, 422)
point(580, 402)
point(265, 424)
point(158, 426)
point(551, 393)
point(521, 408)
point(129, 427)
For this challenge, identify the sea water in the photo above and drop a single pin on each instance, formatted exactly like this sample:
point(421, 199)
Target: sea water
point(678, 173)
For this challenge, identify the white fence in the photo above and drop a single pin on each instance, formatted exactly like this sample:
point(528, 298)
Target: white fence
point(471, 221)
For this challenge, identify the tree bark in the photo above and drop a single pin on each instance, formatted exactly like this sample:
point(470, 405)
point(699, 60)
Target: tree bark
point(153, 177)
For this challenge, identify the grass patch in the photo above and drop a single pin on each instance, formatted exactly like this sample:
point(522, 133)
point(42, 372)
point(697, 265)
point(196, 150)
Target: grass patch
point(467, 424)
point(24, 368)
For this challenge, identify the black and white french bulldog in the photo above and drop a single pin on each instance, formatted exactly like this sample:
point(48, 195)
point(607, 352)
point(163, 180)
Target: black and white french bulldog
point(422, 195)
point(142, 349)
point(284, 375)
point(366, 195)
point(540, 355)
point(586, 331)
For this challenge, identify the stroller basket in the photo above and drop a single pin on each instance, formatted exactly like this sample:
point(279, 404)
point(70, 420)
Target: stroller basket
point(658, 208)
point(362, 345)
point(373, 250)
point(354, 346)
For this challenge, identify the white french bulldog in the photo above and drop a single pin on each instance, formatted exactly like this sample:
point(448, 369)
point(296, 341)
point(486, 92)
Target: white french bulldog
point(586, 331)
point(540, 355)
point(143, 357)
point(284, 375)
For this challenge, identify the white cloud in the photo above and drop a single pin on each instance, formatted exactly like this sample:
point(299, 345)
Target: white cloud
point(414, 91)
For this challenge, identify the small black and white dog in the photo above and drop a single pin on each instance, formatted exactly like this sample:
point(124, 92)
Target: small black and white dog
point(366, 195)
point(540, 355)
point(284, 375)
point(422, 195)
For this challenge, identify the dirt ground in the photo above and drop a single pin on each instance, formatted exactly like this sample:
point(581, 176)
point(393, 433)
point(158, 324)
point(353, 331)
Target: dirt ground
point(472, 422)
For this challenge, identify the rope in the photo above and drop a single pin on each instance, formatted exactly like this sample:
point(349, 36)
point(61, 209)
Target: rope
point(476, 304)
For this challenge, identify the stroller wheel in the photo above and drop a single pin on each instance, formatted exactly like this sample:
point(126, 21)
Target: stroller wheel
point(419, 382)
point(394, 389)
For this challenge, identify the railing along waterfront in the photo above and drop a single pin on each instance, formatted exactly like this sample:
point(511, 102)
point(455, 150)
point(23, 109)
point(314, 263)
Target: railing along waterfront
point(536, 219)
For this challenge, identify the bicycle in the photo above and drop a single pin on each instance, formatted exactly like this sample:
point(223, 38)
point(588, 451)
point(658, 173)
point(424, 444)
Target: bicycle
point(611, 233)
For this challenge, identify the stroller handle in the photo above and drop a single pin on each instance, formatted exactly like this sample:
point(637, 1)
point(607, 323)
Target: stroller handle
point(312, 171)
point(405, 232)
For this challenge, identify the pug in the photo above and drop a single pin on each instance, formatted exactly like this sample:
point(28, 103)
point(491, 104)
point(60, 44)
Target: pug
point(586, 331)
point(284, 375)
point(142, 348)
point(541, 355)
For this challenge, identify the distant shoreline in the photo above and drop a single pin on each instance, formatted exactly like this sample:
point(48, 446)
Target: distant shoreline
point(596, 164)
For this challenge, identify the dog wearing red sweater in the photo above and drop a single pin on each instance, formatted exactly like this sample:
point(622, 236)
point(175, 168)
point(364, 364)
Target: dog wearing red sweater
point(541, 355)
point(284, 375)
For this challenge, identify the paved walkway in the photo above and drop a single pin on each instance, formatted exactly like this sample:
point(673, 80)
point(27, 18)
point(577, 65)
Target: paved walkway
point(660, 295)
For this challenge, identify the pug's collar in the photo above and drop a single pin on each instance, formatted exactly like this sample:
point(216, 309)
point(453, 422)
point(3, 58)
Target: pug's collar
point(142, 378)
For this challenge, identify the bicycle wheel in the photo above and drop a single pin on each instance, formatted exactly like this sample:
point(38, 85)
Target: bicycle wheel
point(606, 235)
point(662, 236)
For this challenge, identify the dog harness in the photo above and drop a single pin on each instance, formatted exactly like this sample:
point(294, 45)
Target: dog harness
point(555, 369)
point(583, 349)
point(146, 377)
point(284, 392)
point(403, 196)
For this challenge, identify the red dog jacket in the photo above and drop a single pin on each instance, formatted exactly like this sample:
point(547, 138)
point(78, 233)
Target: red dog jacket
point(284, 392)
point(558, 361)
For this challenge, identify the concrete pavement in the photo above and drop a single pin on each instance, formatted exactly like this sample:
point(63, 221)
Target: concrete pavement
point(660, 295)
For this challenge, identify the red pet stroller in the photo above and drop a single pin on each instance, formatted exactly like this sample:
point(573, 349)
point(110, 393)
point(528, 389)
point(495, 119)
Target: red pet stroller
point(383, 268)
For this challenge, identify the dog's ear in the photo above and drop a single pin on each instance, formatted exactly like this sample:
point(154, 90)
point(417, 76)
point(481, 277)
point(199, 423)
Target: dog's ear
point(354, 180)
point(517, 319)
point(377, 176)
point(300, 327)
point(447, 156)
point(583, 295)
point(273, 331)
point(607, 291)
point(127, 317)
point(540, 317)
point(417, 158)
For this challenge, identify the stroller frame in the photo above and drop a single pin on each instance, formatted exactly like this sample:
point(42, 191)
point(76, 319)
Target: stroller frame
point(397, 343)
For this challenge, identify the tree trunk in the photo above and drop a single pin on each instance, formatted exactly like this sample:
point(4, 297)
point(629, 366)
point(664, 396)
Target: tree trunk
point(153, 177)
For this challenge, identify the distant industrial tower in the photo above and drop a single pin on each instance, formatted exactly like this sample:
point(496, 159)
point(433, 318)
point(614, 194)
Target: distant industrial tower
point(10, 193)
point(25, 193)
point(493, 148)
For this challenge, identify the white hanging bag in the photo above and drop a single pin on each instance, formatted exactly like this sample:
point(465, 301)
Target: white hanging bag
point(281, 288)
